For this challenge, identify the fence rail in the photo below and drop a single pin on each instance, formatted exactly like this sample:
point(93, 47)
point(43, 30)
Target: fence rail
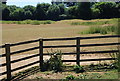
point(8, 52)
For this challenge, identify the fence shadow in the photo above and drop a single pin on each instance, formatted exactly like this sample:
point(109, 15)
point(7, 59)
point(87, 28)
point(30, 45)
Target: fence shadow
point(24, 74)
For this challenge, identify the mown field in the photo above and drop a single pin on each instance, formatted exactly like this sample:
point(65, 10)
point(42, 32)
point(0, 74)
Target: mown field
point(65, 28)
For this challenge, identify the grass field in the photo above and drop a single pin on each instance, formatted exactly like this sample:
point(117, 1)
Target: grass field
point(22, 32)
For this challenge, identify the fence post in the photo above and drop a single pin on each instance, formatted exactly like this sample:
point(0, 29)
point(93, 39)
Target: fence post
point(78, 50)
point(8, 61)
point(41, 53)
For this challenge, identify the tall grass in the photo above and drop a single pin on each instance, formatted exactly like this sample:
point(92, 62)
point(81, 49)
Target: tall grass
point(97, 22)
point(89, 23)
point(33, 22)
point(102, 30)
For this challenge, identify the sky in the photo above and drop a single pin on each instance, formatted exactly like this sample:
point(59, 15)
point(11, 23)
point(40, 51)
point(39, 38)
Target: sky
point(22, 3)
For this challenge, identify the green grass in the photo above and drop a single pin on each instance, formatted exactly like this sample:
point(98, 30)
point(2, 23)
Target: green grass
point(33, 22)
point(102, 30)
point(96, 75)
point(97, 22)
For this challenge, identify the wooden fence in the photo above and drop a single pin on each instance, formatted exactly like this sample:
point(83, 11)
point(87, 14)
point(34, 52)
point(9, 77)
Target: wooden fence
point(8, 52)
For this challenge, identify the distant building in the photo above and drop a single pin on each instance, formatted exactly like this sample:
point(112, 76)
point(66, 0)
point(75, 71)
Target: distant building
point(3, 1)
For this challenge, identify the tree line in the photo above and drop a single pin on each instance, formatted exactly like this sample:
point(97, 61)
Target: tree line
point(45, 11)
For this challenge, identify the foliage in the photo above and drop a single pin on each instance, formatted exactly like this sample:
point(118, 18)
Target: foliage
point(18, 14)
point(39, 13)
point(54, 63)
point(72, 11)
point(5, 12)
point(70, 77)
point(78, 69)
point(107, 9)
point(84, 10)
point(45, 6)
point(29, 8)
point(95, 13)
point(45, 11)
point(53, 12)
point(62, 8)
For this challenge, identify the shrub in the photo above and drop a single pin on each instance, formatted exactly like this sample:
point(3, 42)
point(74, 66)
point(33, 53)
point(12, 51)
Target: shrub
point(35, 22)
point(54, 63)
point(78, 69)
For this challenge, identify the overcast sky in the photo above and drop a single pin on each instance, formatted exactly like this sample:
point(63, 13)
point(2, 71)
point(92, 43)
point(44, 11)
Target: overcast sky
point(22, 3)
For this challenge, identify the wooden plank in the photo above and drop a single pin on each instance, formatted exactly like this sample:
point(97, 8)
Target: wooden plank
point(59, 39)
point(14, 61)
point(3, 64)
point(94, 37)
point(83, 60)
point(3, 73)
point(73, 53)
point(92, 52)
point(97, 59)
point(69, 60)
point(21, 67)
point(106, 44)
point(41, 53)
point(29, 49)
point(78, 50)
point(3, 46)
point(60, 46)
point(2, 55)
point(8, 63)
point(26, 42)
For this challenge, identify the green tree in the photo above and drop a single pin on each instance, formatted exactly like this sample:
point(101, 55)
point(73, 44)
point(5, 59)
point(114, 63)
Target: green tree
point(84, 10)
point(29, 8)
point(45, 6)
point(95, 13)
point(18, 14)
point(40, 13)
point(107, 9)
point(28, 14)
point(118, 10)
point(62, 8)
point(5, 12)
point(53, 12)
point(29, 11)
point(72, 12)
point(12, 8)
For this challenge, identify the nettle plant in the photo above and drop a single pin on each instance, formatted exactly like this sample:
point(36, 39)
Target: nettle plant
point(54, 63)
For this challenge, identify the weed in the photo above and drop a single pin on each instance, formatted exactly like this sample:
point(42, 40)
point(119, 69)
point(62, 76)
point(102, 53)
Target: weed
point(78, 69)
point(54, 63)
point(38, 77)
point(70, 77)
